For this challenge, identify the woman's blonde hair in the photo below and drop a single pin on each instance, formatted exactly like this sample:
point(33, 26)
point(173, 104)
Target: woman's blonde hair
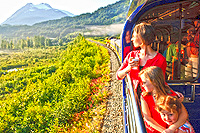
point(146, 32)
point(168, 103)
point(156, 77)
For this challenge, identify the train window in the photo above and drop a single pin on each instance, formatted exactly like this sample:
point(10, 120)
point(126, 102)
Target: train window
point(177, 37)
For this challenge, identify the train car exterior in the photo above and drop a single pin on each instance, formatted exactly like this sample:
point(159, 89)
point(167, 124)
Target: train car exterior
point(176, 23)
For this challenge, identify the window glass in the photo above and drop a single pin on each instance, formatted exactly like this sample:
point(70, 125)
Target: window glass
point(177, 37)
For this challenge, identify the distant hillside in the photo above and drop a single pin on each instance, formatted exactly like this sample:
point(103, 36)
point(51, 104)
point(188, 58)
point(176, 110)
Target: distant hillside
point(31, 14)
point(111, 14)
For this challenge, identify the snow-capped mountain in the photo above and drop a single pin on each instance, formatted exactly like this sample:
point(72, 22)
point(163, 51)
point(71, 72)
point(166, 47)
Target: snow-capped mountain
point(31, 14)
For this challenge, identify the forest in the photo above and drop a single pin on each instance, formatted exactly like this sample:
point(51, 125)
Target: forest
point(33, 42)
point(54, 88)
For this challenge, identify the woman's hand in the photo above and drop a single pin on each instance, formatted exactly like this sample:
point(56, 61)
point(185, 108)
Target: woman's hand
point(122, 73)
point(130, 64)
point(133, 62)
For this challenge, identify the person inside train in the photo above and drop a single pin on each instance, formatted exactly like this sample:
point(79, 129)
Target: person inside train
point(197, 31)
point(189, 41)
point(171, 54)
point(169, 108)
point(127, 49)
point(128, 45)
point(165, 47)
point(188, 51)
point(192, 50)
point(172, 58)
point(153, 82)
point(142, 37)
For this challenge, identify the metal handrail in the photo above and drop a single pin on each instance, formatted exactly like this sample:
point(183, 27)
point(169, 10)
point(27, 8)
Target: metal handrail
point(135, 120)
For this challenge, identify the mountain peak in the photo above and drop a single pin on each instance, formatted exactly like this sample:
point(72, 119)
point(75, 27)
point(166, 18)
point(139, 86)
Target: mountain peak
point(29, 4)
point(44, 6)
point(31, 14)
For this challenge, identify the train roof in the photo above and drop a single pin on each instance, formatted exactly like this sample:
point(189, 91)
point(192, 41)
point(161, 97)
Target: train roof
point(153, 10)
point(147, 5)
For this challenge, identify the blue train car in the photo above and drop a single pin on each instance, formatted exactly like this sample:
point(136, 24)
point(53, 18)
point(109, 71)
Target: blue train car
point(175, 22)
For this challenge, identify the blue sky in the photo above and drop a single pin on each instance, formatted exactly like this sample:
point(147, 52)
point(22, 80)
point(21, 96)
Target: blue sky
point(77, 7)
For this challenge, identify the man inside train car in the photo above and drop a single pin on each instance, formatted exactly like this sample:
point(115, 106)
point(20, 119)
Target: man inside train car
point(197, 29)
point(194, 52)
point(172, 58)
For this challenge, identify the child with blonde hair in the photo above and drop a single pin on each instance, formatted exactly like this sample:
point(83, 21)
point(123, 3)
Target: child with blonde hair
point(153, 83)
point(169, 108)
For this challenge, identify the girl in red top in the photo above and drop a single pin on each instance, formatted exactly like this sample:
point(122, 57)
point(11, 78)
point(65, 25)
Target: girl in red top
point(169, 108)
point(154, 85)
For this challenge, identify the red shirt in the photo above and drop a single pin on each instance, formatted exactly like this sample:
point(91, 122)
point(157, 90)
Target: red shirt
point(127, 49)
point(159, 60)
point(154, 113)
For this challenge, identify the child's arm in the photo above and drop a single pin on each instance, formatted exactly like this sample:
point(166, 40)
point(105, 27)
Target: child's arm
point(180, 96)
point(181, 119)
point(148, 118)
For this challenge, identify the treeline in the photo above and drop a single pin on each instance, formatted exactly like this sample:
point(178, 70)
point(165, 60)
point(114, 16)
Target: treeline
point(115, 13)
point(33, 42)
point(29, 58)
point(57, 91)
